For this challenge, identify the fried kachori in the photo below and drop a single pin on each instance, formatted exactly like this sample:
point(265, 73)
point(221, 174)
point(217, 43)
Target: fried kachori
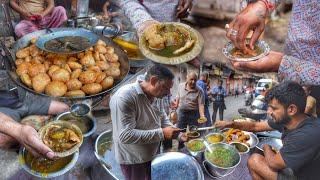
point(72, 75)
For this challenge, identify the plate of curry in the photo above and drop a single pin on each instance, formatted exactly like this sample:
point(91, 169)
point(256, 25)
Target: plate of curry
point(171, 43)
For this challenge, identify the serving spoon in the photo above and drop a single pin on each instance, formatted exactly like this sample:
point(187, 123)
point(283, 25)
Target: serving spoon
point(207, 146)
point(80, 109)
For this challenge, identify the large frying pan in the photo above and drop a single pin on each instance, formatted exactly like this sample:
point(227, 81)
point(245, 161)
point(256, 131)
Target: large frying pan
point(96, 98)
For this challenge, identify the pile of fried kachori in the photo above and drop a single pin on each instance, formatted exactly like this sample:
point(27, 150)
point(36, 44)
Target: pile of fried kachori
point(75, 75)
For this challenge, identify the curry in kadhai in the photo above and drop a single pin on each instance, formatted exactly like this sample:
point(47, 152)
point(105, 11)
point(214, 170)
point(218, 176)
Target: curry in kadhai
point(168, 40)
point(60, 139)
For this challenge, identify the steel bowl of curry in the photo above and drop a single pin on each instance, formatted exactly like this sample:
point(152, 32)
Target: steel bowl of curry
point(222, 159)
point(242, 148)
point(62, 137)
point(46, 168)
point(87, 123)
point(261, 49)
point(214, 138)
point(195, 147)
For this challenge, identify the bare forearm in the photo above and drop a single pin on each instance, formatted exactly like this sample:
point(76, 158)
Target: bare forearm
point(49, 9)
point(9, 126)
point(250, 126)
point(137, 136)
point(201, 110)
point(105, 7)
point(14, 5)
point(272, 159)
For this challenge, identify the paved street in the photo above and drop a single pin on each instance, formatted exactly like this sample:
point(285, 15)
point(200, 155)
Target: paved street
point(232, 104)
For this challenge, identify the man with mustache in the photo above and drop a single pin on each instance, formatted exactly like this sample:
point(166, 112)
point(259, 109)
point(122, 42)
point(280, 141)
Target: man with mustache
point(299, 158)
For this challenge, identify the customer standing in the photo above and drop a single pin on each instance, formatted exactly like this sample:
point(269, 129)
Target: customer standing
point(191, 102)
point(137, 126)
point(218, 94)
point(202, 83)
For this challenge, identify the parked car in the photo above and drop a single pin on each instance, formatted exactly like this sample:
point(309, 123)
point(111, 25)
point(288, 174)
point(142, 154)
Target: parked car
point(261, 85)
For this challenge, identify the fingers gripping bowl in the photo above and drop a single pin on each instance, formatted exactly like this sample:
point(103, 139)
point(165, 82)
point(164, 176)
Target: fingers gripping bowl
point(261, 49)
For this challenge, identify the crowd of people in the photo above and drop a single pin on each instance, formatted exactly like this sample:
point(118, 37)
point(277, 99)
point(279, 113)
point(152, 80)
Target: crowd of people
point(140, 111)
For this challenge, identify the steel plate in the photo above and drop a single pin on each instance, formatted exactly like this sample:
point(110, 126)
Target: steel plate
point(273, 142)
point(175, 166)
point(184, 57)
point(253, 141)
point(261, 44)
point(79, 33)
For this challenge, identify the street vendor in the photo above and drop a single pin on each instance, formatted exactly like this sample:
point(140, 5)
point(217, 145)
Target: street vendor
point(301, 58)
point(299, 158)
point(138, 127)
point(37, 14)
point(13, 108)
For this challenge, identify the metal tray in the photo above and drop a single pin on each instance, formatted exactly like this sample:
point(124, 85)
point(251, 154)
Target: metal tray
point(253, 141)
point(175, 166)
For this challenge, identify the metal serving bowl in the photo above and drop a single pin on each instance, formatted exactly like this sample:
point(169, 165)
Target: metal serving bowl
point(26, 167)
point(87, 120)
point(196, 154)
point(220, 135)
point(105, 154)
point(241, 147)
point(260, 43)
point(216, 170)
point(175, 166)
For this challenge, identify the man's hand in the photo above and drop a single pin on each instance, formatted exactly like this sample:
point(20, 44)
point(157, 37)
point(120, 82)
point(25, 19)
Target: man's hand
point(183, 137)
point(30, 139)
point(169, 132)
point(269, 63)
point(174, 104)
point(183, 9)
point(251, 18)
point(57, 107)
point(222, 124)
